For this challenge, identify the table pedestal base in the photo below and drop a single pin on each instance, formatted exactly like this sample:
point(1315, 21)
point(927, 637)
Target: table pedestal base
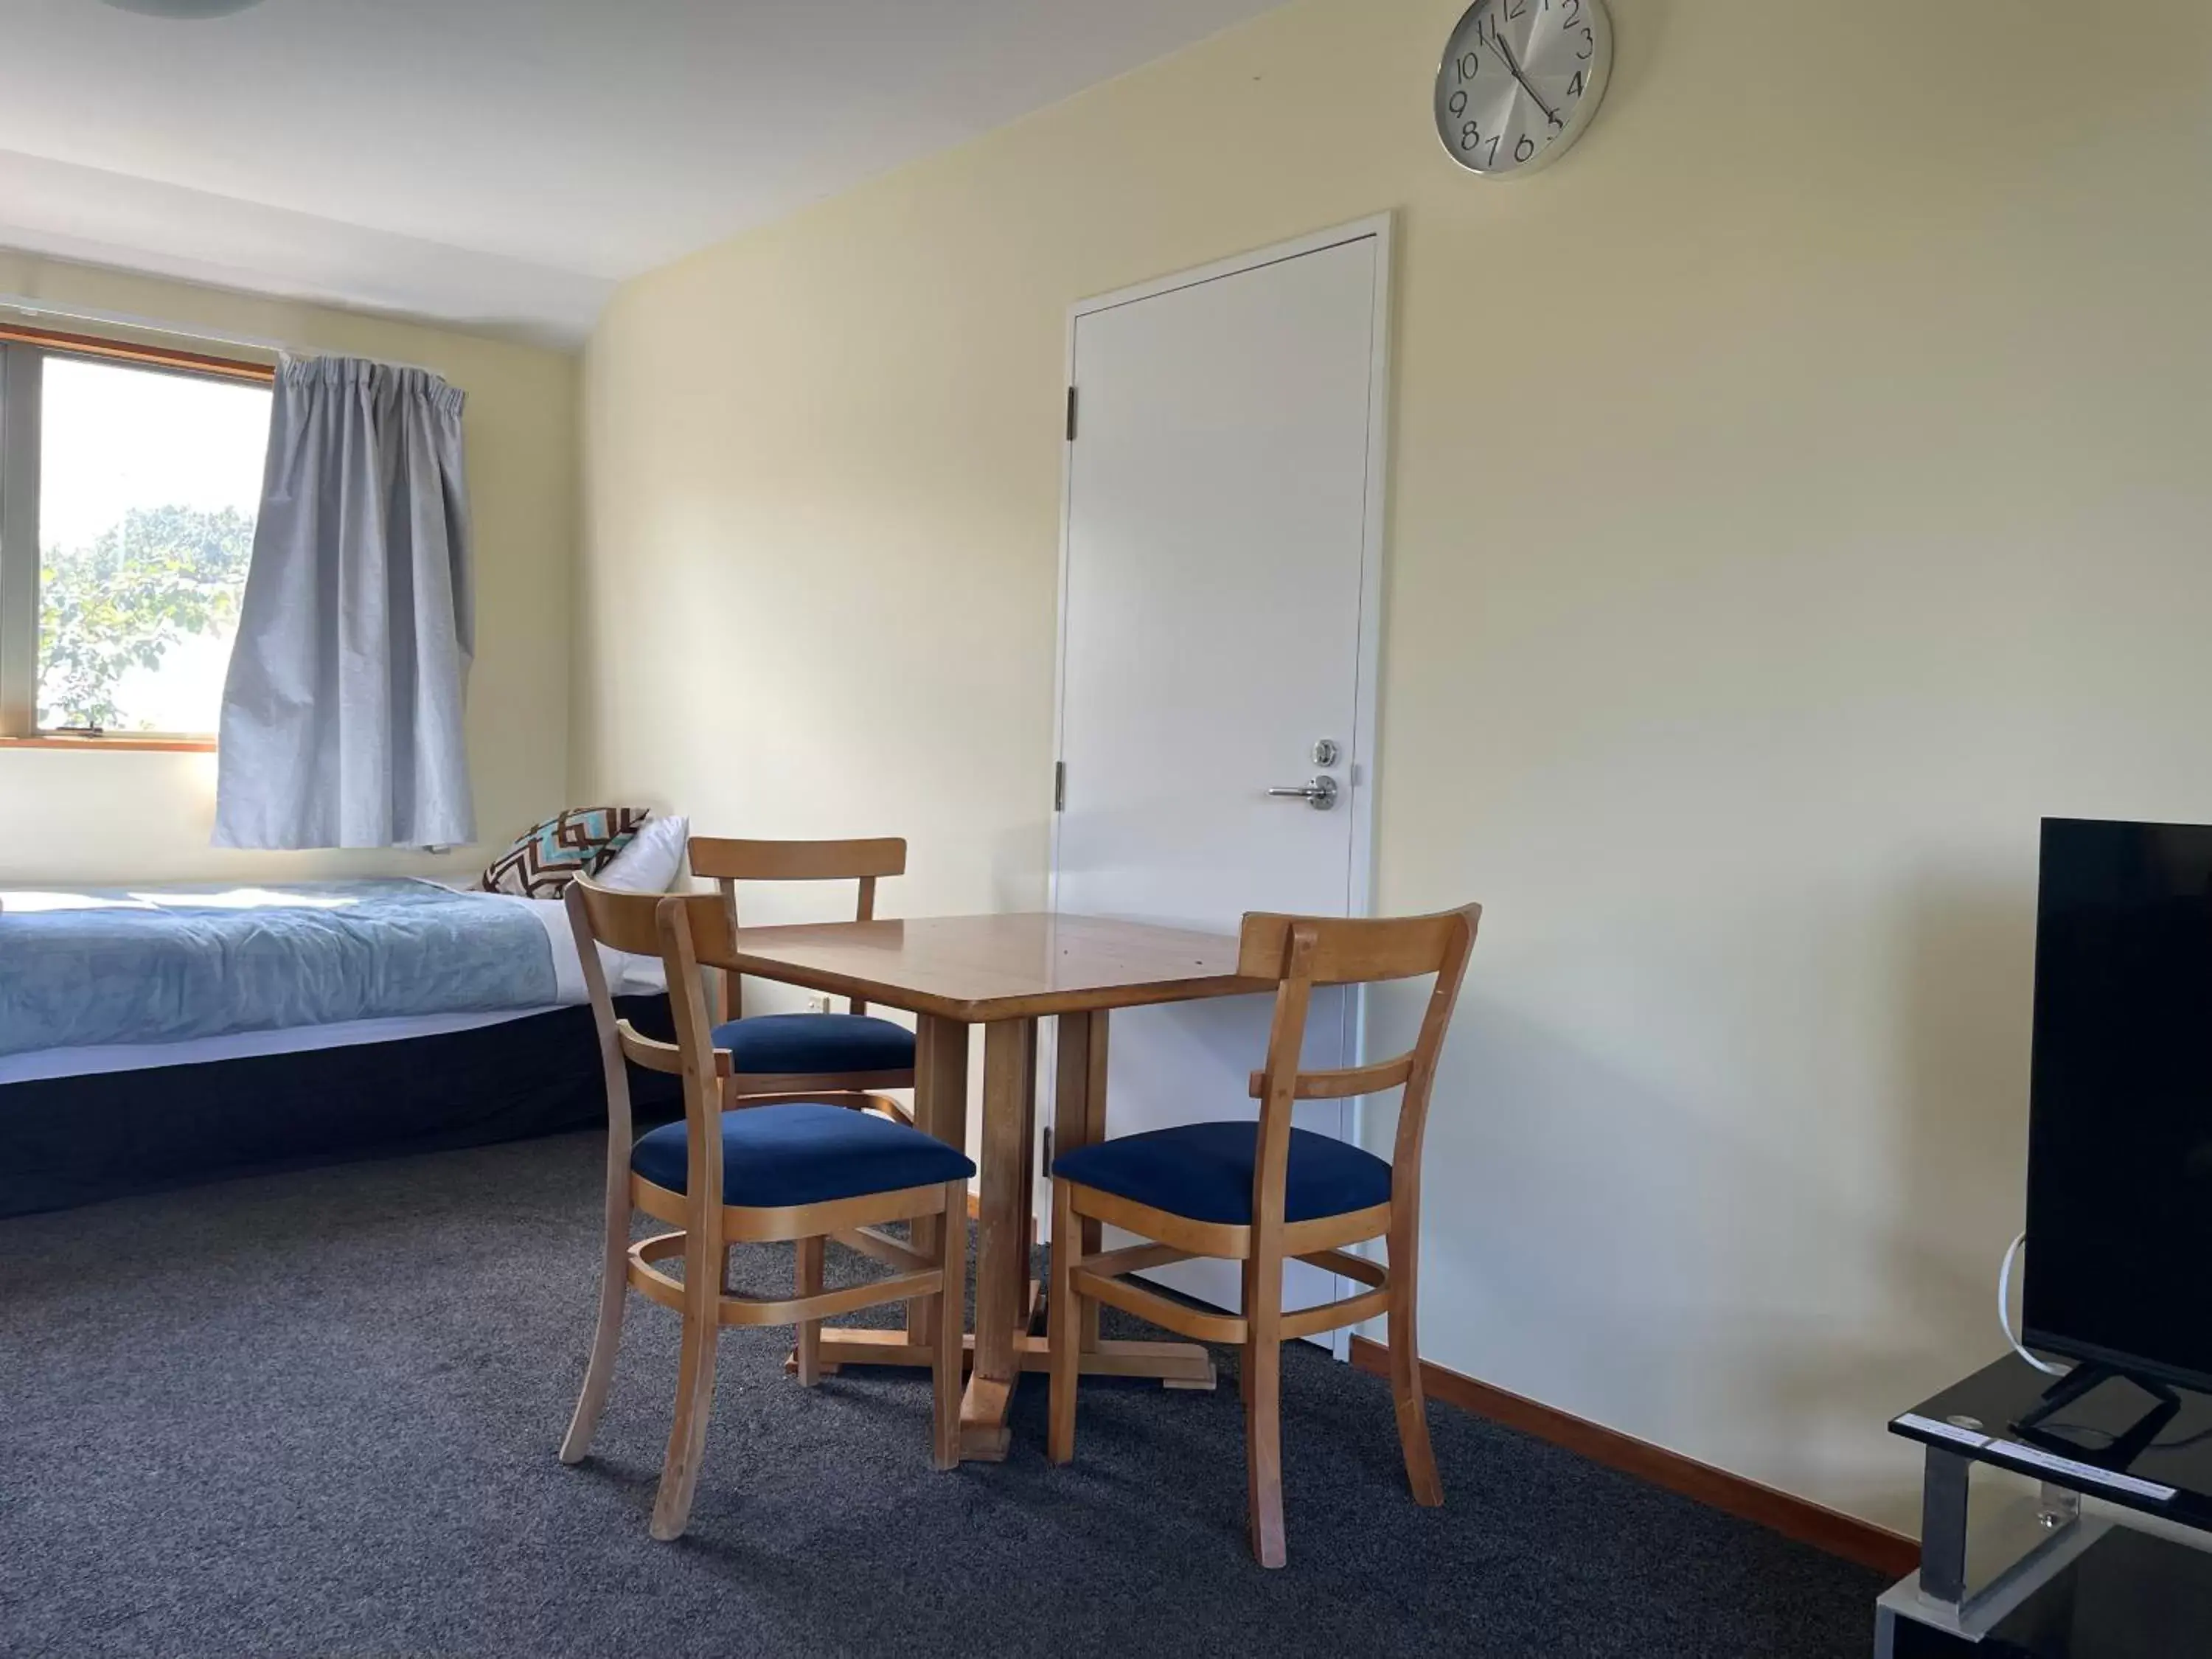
point(1003, 1344)
point(1175, 1364)
point(984, 1407)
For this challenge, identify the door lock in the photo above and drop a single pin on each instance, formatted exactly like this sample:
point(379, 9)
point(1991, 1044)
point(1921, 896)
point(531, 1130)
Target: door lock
point(1320, 794)
point(1325, 752)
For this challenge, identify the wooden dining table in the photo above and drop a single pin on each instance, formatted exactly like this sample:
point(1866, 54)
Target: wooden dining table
point(1004, 973)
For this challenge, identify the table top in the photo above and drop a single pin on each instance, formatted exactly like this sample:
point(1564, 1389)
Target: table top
point(978, 968)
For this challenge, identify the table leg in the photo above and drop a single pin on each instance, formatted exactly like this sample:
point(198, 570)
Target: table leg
point(940, 1109)
point(1002, 1271)
point(1078, 1119)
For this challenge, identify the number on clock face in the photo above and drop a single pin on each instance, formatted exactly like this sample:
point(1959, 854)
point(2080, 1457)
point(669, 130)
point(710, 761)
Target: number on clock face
point(1519, 81)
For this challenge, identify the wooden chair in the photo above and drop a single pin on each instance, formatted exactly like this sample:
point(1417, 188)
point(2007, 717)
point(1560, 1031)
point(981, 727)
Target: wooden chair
point(798, 1171)
point(850, 1056)
point(1264, 1193)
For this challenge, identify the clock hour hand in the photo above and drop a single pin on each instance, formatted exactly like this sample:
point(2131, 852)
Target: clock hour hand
point(1498, 40)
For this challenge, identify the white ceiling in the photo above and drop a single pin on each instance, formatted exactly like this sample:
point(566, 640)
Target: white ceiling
point(505, 163)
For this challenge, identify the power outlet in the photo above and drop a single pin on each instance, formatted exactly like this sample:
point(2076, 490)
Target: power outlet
point(818, 1002)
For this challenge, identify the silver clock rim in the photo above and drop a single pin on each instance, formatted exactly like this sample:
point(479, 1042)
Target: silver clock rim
point(1600, 74)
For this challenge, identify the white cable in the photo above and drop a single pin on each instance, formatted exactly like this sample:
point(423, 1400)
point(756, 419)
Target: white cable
point(2004, 1311)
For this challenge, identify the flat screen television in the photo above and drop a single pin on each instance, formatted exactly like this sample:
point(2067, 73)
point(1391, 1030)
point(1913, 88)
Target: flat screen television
point(2120, 1167)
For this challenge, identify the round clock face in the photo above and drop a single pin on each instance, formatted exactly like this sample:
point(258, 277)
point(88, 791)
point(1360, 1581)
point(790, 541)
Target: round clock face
point(1520, 81)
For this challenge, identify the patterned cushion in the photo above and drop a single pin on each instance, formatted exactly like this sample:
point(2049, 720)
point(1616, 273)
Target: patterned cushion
point(551, 855)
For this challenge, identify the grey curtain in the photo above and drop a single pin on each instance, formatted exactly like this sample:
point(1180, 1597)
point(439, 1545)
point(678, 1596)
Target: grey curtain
point(341, 715)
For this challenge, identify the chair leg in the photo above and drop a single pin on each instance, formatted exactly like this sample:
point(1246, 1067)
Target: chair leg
point(1263, 1425)
point(928, 1234)
point(1244, 1361)
point(606, 1340)
point(806, 1276)
point(1405, 1388)
point(695, 1396)
point(947, 1327)
point(1064, 1314)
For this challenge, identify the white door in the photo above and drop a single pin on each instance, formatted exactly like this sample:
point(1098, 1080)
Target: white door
point(1218, 641)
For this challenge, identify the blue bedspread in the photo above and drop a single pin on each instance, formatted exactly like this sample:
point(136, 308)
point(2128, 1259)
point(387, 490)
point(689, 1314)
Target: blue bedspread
point(106, 966)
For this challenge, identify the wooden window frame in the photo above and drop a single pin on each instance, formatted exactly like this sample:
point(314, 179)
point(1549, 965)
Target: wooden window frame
point(23, 353)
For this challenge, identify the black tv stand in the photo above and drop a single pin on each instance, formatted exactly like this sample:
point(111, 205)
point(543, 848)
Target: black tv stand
point(2052, 1579)
point(2120, 1450)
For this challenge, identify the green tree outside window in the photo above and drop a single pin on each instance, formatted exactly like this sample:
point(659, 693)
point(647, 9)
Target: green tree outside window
point(161, 576)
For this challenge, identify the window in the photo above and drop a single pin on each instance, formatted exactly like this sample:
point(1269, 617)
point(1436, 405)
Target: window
point(128, 491)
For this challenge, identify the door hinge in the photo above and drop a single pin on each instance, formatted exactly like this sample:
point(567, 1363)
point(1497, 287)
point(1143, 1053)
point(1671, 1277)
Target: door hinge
point(1070, 414)
point(1060, 786)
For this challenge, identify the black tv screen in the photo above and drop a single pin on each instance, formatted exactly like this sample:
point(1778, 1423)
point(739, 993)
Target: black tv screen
point(2119, 1168)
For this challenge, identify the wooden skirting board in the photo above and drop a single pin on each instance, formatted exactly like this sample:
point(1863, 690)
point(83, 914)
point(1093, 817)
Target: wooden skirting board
point(1807, 1523)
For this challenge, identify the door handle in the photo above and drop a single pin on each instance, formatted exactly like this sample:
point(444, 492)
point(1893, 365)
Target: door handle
point(1320, 794)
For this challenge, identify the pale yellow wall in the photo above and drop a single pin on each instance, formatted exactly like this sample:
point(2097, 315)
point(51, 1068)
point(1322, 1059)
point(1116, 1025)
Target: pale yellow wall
point(134, 816)
point(1796, 491)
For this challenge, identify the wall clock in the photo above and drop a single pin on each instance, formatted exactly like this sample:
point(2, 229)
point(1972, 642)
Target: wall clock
point(1520, 81)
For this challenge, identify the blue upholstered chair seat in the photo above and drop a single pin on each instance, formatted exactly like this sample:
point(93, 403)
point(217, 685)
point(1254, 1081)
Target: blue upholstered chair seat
point(1203, 1172)
point(807, 1153)
point(815, 1045)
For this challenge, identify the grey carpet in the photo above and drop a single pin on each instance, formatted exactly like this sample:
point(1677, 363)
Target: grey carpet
point(315, 1413)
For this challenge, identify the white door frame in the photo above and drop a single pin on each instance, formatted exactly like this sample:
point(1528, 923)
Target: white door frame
point(1360, 771)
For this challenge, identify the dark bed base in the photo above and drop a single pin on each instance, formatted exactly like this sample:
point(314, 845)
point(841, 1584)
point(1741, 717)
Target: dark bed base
point(75, 1140)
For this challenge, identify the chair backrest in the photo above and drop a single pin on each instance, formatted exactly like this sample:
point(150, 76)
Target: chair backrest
point(1300, 953)
point(679, 928)
point(726, 863)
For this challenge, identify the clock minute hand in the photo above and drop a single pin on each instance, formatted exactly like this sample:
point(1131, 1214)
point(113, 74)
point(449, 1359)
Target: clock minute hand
point(1498, 40)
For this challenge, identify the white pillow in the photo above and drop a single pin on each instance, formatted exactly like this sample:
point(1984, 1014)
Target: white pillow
point(651, 861)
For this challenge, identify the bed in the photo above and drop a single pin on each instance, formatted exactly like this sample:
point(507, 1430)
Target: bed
point(150, 1038)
